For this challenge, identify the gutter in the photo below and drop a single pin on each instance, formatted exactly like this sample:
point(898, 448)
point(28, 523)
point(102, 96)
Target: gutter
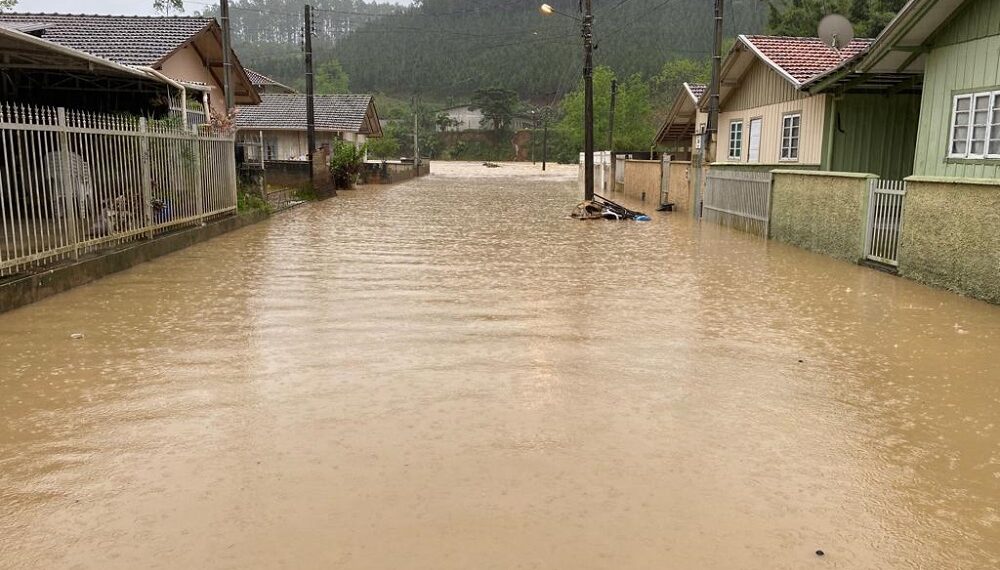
point(176, 85)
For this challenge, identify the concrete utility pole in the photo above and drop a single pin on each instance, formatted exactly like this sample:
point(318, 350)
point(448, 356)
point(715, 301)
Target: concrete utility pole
point(227, 55)
point(588, 104)
point(712, 127)
point(307, 33)
point(545, 138)
point(611, 136)
point(713, 93)
point(416, 145)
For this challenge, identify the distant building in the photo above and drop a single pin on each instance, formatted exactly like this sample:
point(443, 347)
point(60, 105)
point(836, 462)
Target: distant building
point(464, 118)
point(281, 121)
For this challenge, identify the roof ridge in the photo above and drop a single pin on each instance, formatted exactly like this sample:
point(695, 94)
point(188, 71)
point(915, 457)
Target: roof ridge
point(135, 16)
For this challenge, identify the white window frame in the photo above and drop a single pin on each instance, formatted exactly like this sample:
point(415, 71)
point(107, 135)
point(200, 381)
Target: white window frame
point(699, 136)
point(991, 119)
point(798, 138)
point(739, 148)
point(760, 139)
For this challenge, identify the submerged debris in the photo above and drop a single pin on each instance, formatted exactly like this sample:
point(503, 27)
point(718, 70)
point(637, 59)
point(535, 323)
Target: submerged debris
point(600, 208)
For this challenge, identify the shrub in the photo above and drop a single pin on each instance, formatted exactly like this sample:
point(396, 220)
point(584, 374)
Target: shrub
point(346, 162)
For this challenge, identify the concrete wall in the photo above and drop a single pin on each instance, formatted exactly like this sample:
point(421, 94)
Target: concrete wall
point(951, 235)
point(679, 191)
point(643, 177)
point(824, 212)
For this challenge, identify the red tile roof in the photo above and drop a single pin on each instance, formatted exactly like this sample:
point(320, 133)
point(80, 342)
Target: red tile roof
point(697, 90)
point(804, 58)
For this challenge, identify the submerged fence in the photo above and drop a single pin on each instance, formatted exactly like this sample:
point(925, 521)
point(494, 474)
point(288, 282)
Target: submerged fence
point(75, 182)
point(739, 199)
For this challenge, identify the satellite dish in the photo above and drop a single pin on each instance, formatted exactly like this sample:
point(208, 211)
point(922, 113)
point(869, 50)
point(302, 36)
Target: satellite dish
point(836, 31)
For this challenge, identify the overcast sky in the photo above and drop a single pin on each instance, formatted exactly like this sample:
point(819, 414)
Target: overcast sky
point(109, 6)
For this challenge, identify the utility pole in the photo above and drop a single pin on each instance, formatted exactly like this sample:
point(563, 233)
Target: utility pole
point(545, 138)
point(416, 142)
point(713, 94)
point(416, 146)
point(712, 127)
point(588, 104)
point(611, 136)
point(307, 34)
point(227, 55)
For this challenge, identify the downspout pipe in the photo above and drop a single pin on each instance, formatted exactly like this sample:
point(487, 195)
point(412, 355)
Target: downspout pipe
point(174, 84)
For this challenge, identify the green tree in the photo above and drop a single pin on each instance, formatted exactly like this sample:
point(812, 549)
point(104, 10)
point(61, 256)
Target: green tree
point(445, 122)
point(387, 146)
point(634, 125)
point(165, 5)
point(801, 17)
point(665, 84)
point(331, 78)
point(498, 106)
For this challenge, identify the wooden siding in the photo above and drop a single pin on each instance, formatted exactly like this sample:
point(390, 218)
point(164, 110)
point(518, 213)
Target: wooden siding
point(966, 57)
point(813, 111)
point(761, 86)
point(875, 134)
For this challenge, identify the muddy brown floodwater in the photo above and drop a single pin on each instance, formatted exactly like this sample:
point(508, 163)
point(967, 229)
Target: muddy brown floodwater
point(449, 374)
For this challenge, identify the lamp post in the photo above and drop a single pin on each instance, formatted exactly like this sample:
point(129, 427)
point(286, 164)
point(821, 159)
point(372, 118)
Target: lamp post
point(588, 92)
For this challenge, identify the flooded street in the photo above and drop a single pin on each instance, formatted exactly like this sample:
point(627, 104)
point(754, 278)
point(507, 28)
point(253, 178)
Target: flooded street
point(451, 374)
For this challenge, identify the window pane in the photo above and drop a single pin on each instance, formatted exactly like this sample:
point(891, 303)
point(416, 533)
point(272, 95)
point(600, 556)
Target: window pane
point(959, 146)
point(962, 119)
point(977, 147)
point(995, 146)
point(961, 133)
point(982, 102)
point(962, 104)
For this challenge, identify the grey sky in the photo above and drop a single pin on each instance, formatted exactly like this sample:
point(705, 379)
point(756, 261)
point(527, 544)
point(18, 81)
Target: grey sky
point(109, 6)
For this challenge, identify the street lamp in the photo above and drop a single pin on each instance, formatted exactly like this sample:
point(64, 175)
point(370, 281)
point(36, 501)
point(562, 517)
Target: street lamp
point(588, 92)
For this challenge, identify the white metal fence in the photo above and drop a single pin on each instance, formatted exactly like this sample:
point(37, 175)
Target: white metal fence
point(739, 199)
point(74, 182)
point(885, 217)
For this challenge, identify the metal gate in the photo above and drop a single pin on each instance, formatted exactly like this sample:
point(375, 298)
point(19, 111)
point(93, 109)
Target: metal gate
point(885, 217)
point(738, 198)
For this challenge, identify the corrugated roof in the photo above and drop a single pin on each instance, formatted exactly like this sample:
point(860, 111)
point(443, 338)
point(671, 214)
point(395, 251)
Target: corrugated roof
point(128, 40)
point(342, 113)
point(801, 59)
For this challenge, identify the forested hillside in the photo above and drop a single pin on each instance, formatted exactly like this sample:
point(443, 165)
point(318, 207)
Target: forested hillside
point(448, 48)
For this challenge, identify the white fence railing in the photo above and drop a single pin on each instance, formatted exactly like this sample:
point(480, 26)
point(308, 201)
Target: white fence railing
point(74, 182)
point(885, 217)
point(739, 199)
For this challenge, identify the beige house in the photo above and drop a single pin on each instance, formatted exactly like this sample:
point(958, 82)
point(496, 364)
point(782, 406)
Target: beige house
point(764, 117)
point(280, 120)
point(185, 51)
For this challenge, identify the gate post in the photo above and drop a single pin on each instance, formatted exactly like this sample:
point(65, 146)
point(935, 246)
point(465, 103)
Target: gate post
point(70, 191)
point(146, 171)
point(199, 192)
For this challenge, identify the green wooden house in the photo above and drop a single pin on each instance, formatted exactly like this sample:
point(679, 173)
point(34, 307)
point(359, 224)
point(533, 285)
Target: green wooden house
point(955, 46)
